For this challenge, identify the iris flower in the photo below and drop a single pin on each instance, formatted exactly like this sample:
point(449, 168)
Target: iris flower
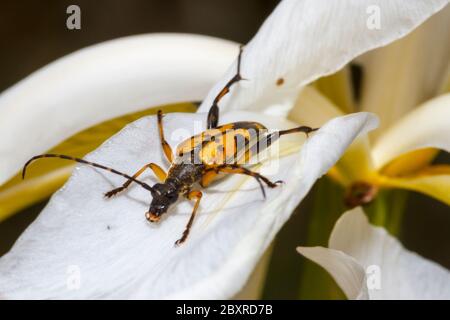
point(368, 263)
point(84, 246)
point(410, 96)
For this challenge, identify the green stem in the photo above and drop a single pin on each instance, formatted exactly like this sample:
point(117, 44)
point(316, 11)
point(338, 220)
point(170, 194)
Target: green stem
point(327, 206)
point(387, 210)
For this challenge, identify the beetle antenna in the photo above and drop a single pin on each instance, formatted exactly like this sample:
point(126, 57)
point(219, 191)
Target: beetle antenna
point(93, 164)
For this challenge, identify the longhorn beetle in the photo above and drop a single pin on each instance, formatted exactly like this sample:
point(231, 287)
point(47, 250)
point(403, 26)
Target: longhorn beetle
point(196, 159)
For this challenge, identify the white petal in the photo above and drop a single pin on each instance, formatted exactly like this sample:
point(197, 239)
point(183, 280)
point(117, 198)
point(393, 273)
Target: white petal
point(426, 126)
point(303, 40)
point(101, 82)
point(404, 74)
point(119, 255)
point(348, 273)
point(403, 274)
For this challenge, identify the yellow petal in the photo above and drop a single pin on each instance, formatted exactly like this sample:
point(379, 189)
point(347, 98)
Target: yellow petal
point(433, 181)
point(46, 177)
point(446, 84)
point(15, 196)
point(356, 164)
point(408, 72)
point(410, 162)
point(426, 126)
point(314, 109)
point(338, 88)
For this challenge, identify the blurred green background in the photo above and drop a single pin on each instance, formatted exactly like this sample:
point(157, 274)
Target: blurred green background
point(34, 33)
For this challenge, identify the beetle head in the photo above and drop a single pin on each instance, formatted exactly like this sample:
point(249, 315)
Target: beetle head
point(164, 195)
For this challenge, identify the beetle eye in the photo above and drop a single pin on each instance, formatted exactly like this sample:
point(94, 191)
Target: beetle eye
point(172, 196)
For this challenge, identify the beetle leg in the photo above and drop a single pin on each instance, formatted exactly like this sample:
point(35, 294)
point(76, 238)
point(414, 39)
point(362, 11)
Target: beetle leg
point(274, 136)
point(159, 172)
point(166, 147)
point(213, 114)
point(197, 195)
point(241, 170)
point(207, 178)
point(306, 130)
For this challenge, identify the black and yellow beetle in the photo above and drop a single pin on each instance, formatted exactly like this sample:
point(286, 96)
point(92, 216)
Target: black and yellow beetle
point(198, 159)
